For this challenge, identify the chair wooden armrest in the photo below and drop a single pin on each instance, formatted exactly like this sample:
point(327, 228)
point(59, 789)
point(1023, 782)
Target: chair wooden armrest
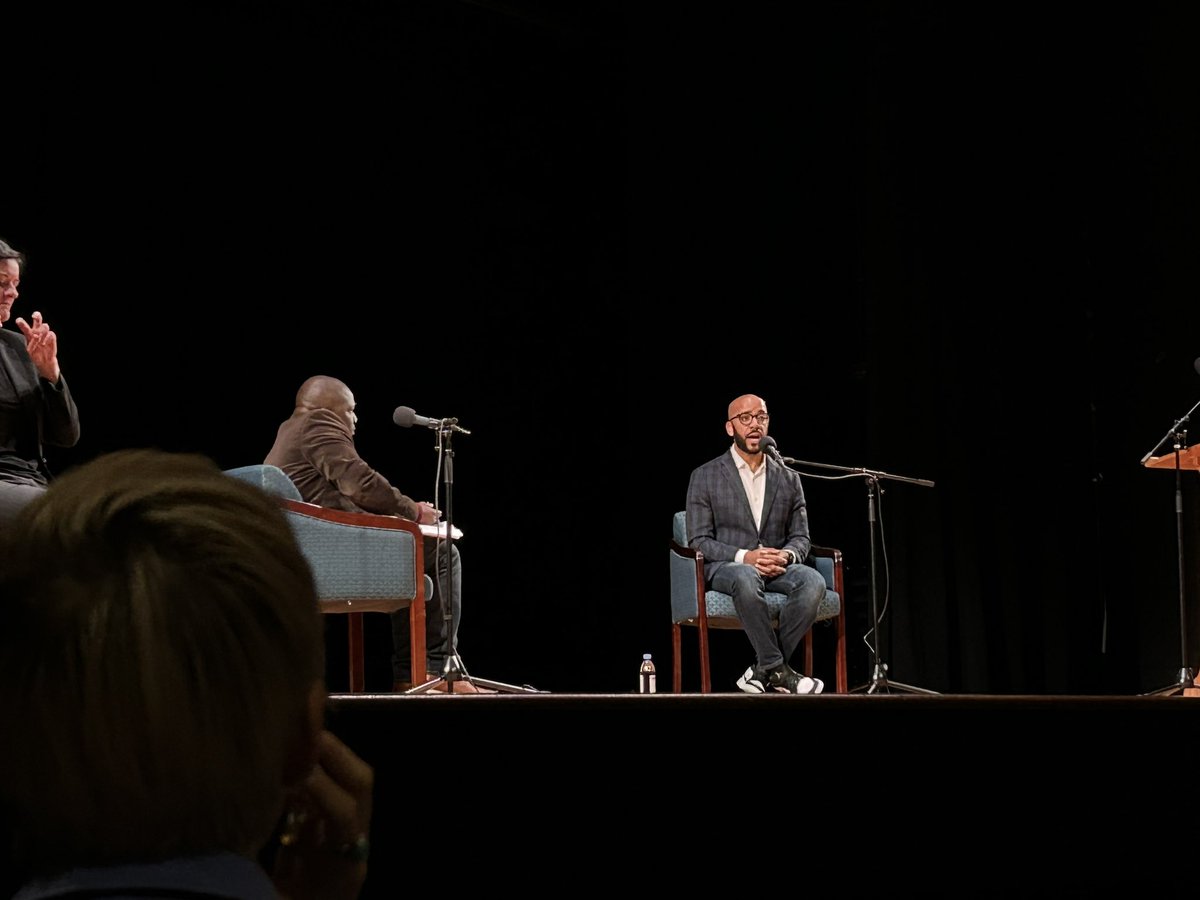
point(363, 562)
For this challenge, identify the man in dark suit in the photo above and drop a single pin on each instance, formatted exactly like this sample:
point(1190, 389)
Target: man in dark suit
point(746, 513)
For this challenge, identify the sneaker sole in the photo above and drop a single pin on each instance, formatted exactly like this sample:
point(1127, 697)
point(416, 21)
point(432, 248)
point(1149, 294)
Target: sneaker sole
point(818, 686)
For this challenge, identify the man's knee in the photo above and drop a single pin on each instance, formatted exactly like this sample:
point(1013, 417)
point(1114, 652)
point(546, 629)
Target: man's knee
point(807, 582)
point(740, 578)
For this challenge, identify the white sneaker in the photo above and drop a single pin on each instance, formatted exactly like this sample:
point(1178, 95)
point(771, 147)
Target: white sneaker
point(813, 685)
point(750, 683)
point(782, 679)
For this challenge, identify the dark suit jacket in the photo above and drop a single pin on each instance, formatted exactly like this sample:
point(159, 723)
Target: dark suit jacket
point(719, 520)
point(315, 448)
point(33, 413)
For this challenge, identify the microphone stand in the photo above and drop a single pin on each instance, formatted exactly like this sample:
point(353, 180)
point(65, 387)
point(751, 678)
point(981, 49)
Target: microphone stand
point(1178, 432)
point(453, 670)
point(879, 683)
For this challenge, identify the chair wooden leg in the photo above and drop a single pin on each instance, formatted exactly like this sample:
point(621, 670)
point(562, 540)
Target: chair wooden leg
point(705, 674)
point(358, 671)
point(416, 642)
point(808, 653)
point(843, 685)
point(676, 649)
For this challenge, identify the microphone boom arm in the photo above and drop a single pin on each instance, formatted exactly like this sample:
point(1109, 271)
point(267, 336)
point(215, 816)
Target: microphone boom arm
point(1174, 429)
point(871, 473)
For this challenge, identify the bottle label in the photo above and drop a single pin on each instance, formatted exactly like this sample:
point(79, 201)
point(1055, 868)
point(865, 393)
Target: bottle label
point(649, 685)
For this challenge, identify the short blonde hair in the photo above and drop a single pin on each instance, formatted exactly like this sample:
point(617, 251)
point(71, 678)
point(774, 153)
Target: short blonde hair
point(159, 646)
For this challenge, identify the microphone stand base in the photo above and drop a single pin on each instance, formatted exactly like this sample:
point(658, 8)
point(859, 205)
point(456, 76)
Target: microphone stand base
point(453, 672)
point(1186, 685)
point(879, 684)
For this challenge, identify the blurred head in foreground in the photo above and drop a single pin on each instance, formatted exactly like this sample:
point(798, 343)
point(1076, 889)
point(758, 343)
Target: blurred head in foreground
point(161, 665)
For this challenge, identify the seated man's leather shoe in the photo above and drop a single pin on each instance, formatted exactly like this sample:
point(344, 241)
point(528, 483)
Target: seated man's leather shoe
point(400, 687)
point(461, 686)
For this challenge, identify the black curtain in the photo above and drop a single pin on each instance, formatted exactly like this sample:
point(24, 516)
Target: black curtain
point(945, 242)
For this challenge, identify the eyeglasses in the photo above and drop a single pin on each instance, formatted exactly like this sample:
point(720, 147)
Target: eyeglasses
point(5, 285)
point(746, 418)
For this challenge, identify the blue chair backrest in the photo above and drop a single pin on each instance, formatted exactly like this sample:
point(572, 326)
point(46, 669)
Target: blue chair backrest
point(270, 478)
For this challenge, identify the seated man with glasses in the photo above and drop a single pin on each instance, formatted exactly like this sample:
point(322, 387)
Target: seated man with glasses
point(747, 514)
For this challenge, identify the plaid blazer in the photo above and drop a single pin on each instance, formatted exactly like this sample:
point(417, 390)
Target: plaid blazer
point(719, 520)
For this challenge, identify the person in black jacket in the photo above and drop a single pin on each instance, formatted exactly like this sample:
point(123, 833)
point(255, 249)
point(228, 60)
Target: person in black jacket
point(36, 407)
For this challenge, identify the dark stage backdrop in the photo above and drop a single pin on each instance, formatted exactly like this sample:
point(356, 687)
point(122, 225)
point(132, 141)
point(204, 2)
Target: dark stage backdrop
point(951, 242)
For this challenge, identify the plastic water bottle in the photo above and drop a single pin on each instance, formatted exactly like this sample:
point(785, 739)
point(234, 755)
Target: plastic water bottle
point(648, 681)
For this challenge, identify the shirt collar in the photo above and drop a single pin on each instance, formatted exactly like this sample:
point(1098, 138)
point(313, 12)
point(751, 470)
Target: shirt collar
point(742, 464)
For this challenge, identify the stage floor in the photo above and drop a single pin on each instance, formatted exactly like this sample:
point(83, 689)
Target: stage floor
point(954, 795)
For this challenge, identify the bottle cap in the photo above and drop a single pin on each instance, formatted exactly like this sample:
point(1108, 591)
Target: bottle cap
point(645, 656)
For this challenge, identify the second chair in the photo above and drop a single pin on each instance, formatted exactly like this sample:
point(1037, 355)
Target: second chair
point(692, 605)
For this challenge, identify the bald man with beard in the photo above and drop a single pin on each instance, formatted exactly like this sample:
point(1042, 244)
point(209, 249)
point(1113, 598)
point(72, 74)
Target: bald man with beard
point(747, 514)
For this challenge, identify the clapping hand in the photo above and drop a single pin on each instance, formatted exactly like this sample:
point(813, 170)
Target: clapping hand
point(42, 344)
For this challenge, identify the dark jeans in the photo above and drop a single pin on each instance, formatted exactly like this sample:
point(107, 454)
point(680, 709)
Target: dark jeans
point(441, 636)
point(805, 589)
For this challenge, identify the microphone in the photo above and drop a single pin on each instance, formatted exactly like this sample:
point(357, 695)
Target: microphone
point(768, 446)
point(406, 417)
